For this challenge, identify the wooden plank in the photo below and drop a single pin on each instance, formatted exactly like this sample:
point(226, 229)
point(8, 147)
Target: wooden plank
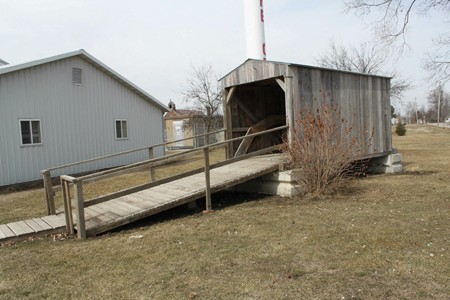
point(132, 199)
point(46, 227)
point(100, 211)
point(55, 222)
point(118, 208)
point(171, 192)
point(65, 187)
point(151, 155)
point(79, 200)
point(37, 226)
point(89, 213)
point(49, 194)
point(241, 129)
point(229, 95)
point(176, 190)
point(258, 127)
point(188, 184)
point(104, 215)
point(2, 235)
point(127, 204)
point(6, 232)
point(159, 198)
point(246, 109)
point(20, 228)
point(207, 180)
point(189, 189)
point(281, 84)
point(147, 197)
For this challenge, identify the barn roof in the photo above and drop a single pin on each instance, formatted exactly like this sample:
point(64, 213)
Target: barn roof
point(93, 61)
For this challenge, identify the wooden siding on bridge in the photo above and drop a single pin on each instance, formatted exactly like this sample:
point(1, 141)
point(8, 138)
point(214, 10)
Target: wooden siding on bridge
point(364, 100)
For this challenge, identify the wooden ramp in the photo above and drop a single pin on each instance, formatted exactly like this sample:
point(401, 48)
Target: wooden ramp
point(126, 209)
point(22, 230)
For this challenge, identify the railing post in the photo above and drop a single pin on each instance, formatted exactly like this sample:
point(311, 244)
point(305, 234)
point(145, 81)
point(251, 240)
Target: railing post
point(151, 155)
point(207, 180)
point(65, 189)
point(81, 225)
point(49, 194)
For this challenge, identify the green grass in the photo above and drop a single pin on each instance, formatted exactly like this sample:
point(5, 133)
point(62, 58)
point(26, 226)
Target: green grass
point(387, 237)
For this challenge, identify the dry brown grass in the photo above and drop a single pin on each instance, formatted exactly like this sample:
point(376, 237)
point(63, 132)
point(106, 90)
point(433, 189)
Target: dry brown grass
point(387, 238)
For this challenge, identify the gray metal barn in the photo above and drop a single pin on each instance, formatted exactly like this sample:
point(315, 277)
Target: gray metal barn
point(69, 108)
point(266, 94)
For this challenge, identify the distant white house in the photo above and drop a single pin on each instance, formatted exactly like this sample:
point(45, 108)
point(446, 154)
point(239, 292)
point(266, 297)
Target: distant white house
point(69, 108)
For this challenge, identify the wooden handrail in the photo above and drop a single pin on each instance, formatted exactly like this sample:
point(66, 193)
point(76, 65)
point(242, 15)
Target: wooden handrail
point(78, 181)
point(47, 177)
point(163, 160)
point(128, 151)
point(145, 186)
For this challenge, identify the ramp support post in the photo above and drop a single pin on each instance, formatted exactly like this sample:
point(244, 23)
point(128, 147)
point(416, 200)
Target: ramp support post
point(49, 193)
point(81, 224)
point(151, 155)
point(207, 179)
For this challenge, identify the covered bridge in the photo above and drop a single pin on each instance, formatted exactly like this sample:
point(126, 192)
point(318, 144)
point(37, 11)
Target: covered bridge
point(262, 94)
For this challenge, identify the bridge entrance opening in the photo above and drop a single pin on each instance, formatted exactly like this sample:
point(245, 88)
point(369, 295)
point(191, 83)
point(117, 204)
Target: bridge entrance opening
point(255, 107)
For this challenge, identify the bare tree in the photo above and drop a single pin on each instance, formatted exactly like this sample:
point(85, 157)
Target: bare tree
point(203, 93)
point(368, 59)
point(438, 64)
point(394, 22)
point(412, 111)
point(438, 101)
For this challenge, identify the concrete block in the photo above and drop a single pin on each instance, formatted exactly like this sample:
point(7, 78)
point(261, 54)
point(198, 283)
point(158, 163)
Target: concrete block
point(285, 176)
point(394, 169)
point(279, 183)
point(393, 159)
point(387, 164)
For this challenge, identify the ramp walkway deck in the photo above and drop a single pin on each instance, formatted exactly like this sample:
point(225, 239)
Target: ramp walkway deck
point(106, 212)
point(126, 209)
point(22, 230)
point(129, 208)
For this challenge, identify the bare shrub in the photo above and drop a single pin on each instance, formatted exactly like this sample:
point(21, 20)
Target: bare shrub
point(325, 150)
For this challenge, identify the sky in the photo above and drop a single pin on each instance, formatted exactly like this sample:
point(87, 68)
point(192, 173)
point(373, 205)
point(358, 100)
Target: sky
point(155, 44)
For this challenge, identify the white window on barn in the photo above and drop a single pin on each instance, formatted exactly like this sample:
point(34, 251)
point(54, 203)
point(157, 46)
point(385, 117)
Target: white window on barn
point(30, 132)
point(121, 129)
point(77, 76)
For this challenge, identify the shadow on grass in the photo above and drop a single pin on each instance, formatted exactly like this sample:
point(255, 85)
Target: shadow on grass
point(420, 173)
point(220, 200)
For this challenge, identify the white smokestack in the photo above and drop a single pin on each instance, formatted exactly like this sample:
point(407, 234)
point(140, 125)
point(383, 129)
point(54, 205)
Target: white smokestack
point(254, 29)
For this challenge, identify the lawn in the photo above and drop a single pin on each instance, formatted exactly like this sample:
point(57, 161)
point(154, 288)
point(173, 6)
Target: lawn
point(387, 237)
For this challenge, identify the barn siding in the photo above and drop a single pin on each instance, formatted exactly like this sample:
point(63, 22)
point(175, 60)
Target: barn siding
point(77, 122)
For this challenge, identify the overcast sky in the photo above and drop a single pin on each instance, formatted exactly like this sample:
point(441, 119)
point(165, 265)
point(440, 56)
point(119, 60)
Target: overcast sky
point(154, 44)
